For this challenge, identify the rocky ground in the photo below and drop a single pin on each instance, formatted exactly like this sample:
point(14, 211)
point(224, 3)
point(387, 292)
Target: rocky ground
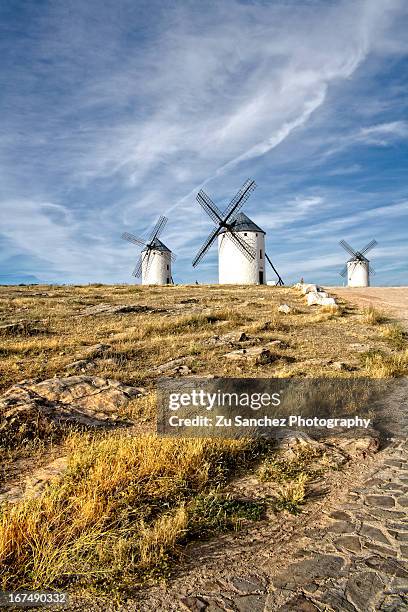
point(347, 550)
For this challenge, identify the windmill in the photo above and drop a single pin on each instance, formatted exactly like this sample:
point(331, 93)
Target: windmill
point(154, 263)
point(358, 267)
point(241, 243)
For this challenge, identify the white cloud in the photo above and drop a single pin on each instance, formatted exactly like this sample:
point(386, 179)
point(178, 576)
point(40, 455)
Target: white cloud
point(142, 121)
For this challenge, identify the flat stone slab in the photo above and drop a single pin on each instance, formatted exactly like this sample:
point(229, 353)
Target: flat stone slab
point(40, 409)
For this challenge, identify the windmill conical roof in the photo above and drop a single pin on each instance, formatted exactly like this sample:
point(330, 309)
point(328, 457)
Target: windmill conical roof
point(158, 245)
point(242, 223)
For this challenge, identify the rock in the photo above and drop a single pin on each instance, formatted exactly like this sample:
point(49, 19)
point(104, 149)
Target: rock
point(189, 301)
point(250, 603)
point(328, 301)
point(10, 329)
point(265, 357)
point(341, 366)
point(174, 366)
point(380, 501)
point(340, 515)
point(23, 328)
point(350, 542)
point(285, 308)
point(82, 365)
point(362, 447)
point(247, 585)
point(320, 298)
point(231, 339)
point(312, 298)
point(259, 354)
point(235, 337)
point(374, 534)
point(302, 572)
point(279, 344)
point(214, 340)
point(107, 309)
point(392, 567)
point(96, 350)
point(182, 370)
point(29, 410)
point(90, 392)
point(298, 604)
point(194, 604)
point(310, 288)
point(36, 482)
point(362, 588)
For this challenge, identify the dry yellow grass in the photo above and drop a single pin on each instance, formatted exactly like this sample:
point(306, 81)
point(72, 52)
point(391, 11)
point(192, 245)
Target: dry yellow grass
point(373, 316)
point(140, 341)
point(381, 365)
point(119, 511)
point(395, 335)
point(291, 496)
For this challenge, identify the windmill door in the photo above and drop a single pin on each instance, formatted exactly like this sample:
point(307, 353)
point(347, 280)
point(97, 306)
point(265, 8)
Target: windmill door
point(261, 277)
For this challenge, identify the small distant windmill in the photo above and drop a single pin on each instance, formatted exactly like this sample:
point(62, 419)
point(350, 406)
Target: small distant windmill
point(241, 243)
point(154, 264)
point(358, 267)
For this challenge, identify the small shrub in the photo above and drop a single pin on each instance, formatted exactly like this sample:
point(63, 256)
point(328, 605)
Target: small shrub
point(395, 335)
point(373, 316)
point(283, 469)
point(380, 365)
point(212, 513)
point(292, 495)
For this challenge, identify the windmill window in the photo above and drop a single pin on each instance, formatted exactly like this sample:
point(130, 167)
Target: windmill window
point(245, 234)
point(167, 266)
point(260, 253)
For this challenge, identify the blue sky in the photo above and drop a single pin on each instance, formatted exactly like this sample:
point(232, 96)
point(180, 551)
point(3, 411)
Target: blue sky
point(113, 112)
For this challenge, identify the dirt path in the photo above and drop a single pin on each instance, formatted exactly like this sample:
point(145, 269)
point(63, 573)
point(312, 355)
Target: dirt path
point(393, 300)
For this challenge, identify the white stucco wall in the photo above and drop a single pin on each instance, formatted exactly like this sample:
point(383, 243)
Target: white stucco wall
point(236, 269)
point(157, 274)
point(357, 274)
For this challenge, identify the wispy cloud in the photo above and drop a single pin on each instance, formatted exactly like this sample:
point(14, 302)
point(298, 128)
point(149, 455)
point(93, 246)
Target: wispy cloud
point(114, 116)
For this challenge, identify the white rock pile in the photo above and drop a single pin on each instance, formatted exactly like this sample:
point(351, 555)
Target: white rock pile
point(315, 295)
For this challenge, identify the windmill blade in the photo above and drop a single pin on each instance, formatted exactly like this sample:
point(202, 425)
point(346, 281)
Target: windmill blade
point(343, 273)
point(208, 205)
point(205, 246)
point(157, 230)
point(280, 279)
point(348, 248)
point(173, 257)
point(243, 246)
point(133, 239)
point(371, 269)
point(137, 272)
point(239, 200)
point(369, 246)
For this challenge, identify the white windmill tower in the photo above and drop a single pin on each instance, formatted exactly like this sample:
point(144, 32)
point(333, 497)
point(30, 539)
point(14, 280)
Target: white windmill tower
point(154, 264)
point(358, 267)
point(241, 243)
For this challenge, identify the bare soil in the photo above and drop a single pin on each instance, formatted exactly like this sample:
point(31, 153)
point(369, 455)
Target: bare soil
point(393, 300)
